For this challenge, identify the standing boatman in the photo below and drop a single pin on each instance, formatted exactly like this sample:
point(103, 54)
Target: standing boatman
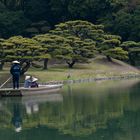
point(15, 71)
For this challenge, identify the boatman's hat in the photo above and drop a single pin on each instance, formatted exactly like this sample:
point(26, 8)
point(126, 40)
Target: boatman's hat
point(15, 62)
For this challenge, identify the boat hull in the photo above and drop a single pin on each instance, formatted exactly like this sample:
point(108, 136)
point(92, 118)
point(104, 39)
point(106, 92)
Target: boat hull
point(42, 89)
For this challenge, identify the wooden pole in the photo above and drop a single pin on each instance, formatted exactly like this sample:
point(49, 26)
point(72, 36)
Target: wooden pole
point(5, 82)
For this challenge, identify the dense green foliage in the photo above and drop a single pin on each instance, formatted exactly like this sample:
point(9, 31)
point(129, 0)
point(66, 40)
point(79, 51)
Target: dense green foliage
point(120, 17)
point(109, 45)
point(12, 22)
point(56, 46)
point(133, 49)
point(72, 41)
point(25, 50)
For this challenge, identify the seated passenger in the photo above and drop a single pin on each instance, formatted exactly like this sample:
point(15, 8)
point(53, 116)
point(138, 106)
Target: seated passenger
point(34, 83)
point(28, 80)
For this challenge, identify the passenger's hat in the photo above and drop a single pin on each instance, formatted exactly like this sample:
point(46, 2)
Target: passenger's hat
point(27, 77)
point(34, 79)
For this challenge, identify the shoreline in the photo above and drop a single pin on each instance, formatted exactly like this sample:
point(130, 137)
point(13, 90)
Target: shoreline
point(83, 80)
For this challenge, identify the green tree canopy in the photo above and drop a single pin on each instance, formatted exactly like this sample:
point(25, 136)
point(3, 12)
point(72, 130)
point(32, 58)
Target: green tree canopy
point(110, 47)
point(82, 36)
point(82, 51)
point(25, 50)
point(56, 46)
point(81, 29)
point(133, 49)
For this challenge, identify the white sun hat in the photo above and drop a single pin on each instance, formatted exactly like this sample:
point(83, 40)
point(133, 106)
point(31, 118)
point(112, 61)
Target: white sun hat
point(15, 62)
point(27, 77)
point(34, 79)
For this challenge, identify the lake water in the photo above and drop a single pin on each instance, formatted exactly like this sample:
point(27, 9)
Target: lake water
point(105, 110)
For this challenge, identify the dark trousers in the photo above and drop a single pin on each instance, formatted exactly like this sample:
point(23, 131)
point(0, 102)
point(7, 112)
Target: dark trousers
point(15, 82)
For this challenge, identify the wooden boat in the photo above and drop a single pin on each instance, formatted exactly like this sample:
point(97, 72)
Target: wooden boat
point(42, 89)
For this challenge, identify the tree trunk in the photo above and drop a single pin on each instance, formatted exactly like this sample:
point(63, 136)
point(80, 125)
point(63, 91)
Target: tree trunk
point(132, 60)
point(25, 67)
point(109, 58)
point(71, 64)
point(45, 63)
point(1, 65)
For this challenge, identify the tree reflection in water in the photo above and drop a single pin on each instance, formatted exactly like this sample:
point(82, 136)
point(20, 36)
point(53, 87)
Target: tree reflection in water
point(105, 111)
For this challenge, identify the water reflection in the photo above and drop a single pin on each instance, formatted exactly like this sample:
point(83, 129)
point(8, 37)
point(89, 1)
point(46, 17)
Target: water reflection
point(100, 111)
point(16, 117)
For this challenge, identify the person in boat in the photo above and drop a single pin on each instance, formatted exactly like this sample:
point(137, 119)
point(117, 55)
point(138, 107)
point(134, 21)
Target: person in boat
point(15, 71)
point(28, 81)
point(34, 83)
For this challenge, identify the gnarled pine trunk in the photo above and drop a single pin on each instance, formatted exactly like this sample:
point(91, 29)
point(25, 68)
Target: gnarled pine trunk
point(45, 63)
point(1, 65)
point(25, 66)
point(70, 64)
point(109, 58)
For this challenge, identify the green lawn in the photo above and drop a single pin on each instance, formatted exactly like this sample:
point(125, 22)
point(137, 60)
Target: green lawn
point(100, 67)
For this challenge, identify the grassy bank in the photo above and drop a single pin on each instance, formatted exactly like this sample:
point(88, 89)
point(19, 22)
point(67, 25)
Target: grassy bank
point(99, 67)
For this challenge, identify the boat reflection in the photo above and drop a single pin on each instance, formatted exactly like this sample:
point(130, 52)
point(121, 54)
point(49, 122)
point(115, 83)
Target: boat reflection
point(32, 102)
point(18, 108)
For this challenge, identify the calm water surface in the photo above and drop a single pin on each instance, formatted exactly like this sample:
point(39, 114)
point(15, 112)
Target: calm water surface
point(88, 111)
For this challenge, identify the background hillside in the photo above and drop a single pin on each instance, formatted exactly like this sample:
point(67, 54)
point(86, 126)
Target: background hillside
point(29, 17)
